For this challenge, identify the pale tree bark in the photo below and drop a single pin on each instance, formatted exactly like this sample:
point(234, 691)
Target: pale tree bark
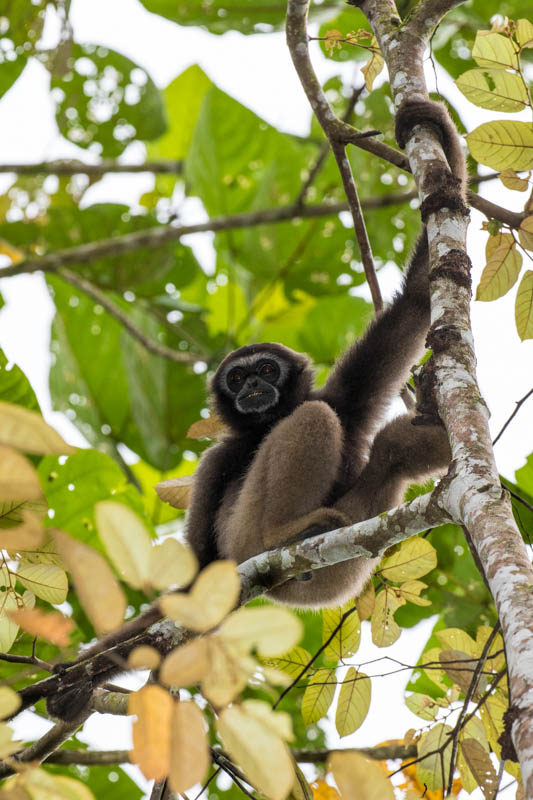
point(475, 495)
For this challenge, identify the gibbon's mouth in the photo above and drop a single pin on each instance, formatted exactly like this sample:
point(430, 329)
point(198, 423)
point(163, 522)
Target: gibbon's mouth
point(253, 394)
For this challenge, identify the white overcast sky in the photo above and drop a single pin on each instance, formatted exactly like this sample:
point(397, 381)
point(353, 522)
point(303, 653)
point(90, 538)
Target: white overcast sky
point(258, 72)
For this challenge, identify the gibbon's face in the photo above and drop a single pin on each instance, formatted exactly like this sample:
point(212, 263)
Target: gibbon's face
point(254, 381)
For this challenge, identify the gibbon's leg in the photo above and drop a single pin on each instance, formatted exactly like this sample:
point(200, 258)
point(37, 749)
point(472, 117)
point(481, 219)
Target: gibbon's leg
point(401, 453)
point(290, 477)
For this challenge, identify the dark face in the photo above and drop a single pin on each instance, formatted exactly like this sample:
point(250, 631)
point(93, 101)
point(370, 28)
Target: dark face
point(259, 384)
point(254, 382)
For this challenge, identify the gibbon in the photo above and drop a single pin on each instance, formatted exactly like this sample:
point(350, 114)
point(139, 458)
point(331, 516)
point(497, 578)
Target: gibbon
point(298, 461)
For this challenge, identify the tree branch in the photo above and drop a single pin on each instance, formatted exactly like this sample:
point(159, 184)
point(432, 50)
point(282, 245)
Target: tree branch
point(125, 320)
point(475, 495)
point(369, 538)
point(298, 43)
point(64, 167)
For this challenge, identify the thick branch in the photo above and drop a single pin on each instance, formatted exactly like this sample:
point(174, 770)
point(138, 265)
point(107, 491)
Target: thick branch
point(475, 495)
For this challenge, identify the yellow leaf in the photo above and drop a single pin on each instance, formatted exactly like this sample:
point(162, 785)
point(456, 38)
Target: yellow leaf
point(53, 626)
point(9, 701)
point(511, 180)
point(524, 33)
point(323, 791)
point(492, 712)
point(502, 144)
point(433, 765)
point(346, 640)
point(358, 778)
point(7, 745)
point(524, 307)
point(494, 89)
point(415, 558)
point(318, 695)
point(525, 233)
point(25, 537)
point(480, 766)
point(210, 428)
point(366, 601)
point(373, 67)
point(40, 785)
point(457, 639)
point(422, 705)
point(27, 431)
point(494, 50)
point(97, 588)
point(154, 708)
point(501, 271)
point(432, 658)
point(14, 254)
point(189, 750)
point(176, 491)
point(385, 631)
point(127, 541)
point(462, 676)
point(8, 628)
point(18, 477)
point(354, 702)
point(279, 722)
point(272, 631)
point(292, 662)
point(144, 657)
point(262, 755)
point(45, 580)
point(410, 591)
point(227, 674)
point(185, 665)
point(172, 564)
point(214, 594)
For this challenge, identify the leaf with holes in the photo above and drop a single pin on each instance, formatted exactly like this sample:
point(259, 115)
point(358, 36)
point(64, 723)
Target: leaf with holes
point(415, 557)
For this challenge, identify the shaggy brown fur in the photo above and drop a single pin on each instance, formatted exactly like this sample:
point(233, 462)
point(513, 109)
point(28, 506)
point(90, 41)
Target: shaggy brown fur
point(309, 460)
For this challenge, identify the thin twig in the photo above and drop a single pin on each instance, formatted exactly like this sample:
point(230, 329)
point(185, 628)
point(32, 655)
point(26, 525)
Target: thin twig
point(315, 656)
point(468, 697)
point(519, 404)
point(125, 320)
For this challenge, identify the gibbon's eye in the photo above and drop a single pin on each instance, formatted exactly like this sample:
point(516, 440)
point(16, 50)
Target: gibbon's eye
point(269, 371)
point(236, 378)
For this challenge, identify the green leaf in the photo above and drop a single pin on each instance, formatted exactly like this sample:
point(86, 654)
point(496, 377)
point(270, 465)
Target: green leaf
point(502, 144)
point(524, 33)
point(183, 99)
point(524, 307)
point(494, 50)
point(494, 89)
point(73, 484)
point(105, 98)
point(424, 706)
point(292, 662)
point(218, 16)
point(138, 406)
point(45, 581)
point(14, 386)
point(346, 640)
point(354, 702)
point(331, 325)
point(21, 28)
point(318, 695)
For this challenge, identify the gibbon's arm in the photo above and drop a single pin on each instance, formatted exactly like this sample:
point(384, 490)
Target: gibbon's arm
point(210, 480)
point(373, 370)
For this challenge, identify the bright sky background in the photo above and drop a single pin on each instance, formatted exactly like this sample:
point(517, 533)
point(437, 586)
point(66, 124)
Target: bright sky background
point(258, 72)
